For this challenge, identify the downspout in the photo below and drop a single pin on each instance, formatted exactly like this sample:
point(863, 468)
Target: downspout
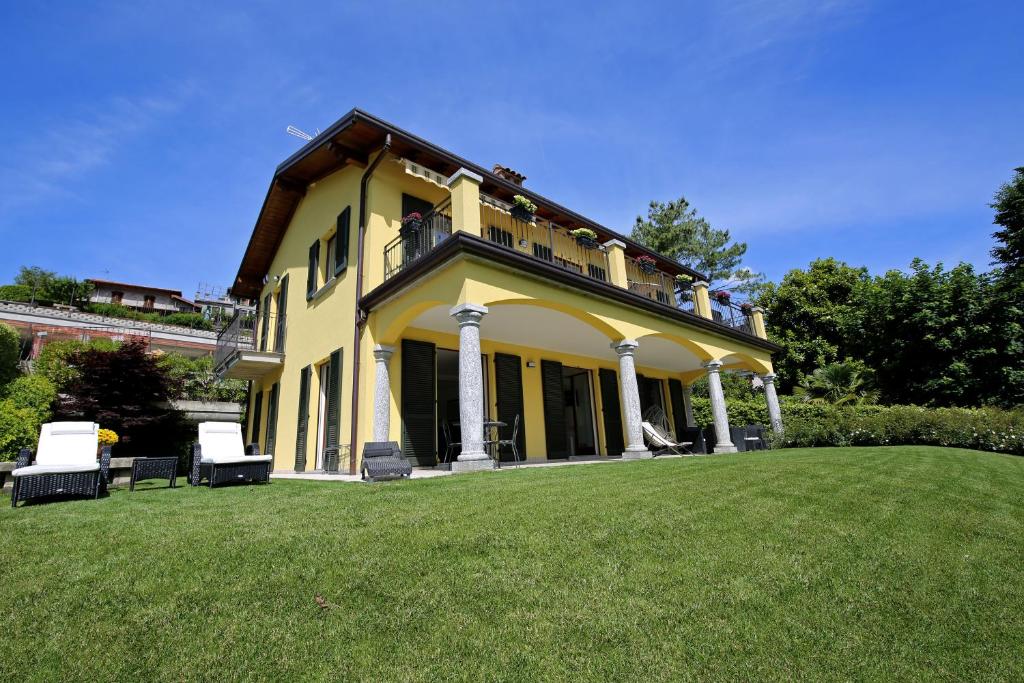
point(360, 316)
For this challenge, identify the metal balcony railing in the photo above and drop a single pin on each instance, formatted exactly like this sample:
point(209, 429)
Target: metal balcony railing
point(249, 331)
point(417, 239)
point(645, 279)
point(729, 314)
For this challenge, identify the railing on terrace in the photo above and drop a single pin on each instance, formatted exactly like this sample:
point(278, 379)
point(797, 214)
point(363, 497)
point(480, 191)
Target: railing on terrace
point(729, 314)
point(541, 239)
point(646, 280)
point(416, 240)
point(248, 330)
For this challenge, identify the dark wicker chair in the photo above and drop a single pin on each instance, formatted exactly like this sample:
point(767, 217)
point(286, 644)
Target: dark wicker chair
point(696, 437)
point(220, 458)
point(65, 464)
point(756, 438)
point(383, 459)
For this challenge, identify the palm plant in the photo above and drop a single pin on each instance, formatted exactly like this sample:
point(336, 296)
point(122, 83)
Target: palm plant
point(838, 384)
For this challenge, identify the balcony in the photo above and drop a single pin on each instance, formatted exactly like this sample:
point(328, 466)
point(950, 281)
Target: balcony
point(554, 244)
point(250, 345)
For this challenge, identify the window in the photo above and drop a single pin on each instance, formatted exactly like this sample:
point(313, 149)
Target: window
point(116, 297)
point(149, 301)
point(329, 261)
point(502, 237)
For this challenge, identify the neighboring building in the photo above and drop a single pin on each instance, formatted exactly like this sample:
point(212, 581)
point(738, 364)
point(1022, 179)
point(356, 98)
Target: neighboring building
point(140, 297)
point(371, 331)
point(218, 305)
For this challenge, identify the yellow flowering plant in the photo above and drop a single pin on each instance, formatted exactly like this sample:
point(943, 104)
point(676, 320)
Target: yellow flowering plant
point(108, 437)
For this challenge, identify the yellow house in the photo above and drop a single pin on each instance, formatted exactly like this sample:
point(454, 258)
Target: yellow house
point(406, 295)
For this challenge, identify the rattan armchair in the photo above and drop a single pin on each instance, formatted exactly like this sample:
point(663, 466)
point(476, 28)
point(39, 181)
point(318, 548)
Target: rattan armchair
point(65, 463)
point(219, 456)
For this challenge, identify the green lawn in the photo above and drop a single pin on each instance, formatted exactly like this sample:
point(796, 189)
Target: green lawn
point(877, 563)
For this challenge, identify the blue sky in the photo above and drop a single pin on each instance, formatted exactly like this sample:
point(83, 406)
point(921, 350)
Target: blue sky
point(137, 139)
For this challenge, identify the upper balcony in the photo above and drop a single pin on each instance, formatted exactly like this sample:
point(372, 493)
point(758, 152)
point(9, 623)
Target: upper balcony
point(250, 345)
point(537, 238)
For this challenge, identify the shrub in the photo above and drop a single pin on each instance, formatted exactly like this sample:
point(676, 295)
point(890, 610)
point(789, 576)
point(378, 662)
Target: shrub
point(986, 429)
point(192, 379)
point(32, 392)
point(195, 321)
point(21, 293)
point(54, 361)
point(10, 353)
point(19, 428)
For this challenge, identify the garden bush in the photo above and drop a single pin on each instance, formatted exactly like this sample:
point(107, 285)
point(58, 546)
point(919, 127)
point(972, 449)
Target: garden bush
point(192, 379)
point(19, 428)
point(54, 360)
point(812, 424)
point(195, 321)
point(22, 293)
point(32, 392)
point(10, 353)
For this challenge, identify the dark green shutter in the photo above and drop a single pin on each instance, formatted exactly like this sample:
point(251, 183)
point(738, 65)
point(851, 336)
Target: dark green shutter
point(611, 412)
point(675, 395)
point(257, 414)
point(419, 396)
point(302, 423)
point(341, 241)
point(554, 409)
point(265, 324)
point(650, 393)
point(282, 316)
point(272, 419)
point(334, 400)
point(314, 264)
point(508, 380)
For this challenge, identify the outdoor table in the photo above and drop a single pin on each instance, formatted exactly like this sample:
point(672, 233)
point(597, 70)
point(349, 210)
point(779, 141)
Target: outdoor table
point(489, 444)
point(155, 468)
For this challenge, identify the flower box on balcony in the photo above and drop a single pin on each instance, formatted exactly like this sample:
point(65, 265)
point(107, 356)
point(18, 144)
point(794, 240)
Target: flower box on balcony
point(585, 237)
point(523, 209)
point(747, 308)
point(647, 264)
point(722, 296)
point(411, 225)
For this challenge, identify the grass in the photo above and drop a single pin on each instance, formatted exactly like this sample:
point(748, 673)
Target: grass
point(894, 563)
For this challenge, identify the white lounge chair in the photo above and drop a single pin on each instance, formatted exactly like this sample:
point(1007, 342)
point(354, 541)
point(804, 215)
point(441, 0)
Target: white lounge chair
point(220, 457)
point(663, 443)
point(65, 463)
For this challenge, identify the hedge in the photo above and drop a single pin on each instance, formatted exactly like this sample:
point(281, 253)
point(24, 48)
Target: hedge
point(19, 428)
point(32, 392)
point(195, 321)
point(810, 424)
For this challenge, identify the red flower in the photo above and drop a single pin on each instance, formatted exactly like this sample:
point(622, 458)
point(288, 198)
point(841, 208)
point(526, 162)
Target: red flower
point(414, 216)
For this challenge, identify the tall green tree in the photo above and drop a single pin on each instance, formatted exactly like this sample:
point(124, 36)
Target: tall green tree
point(1009, 208)
point(815, 315)
point(675, 230)
point(46, 285)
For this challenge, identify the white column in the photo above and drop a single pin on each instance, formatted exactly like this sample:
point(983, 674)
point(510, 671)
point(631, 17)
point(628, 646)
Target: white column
point(718, 411)
point(688, 406)
point(471, 390)
point(382, 393)
point(635, 448)
point(774, 412)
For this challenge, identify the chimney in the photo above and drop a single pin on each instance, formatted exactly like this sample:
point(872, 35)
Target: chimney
point(508, 174)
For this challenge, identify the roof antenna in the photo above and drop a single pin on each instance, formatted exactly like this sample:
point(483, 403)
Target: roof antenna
point(292, 130)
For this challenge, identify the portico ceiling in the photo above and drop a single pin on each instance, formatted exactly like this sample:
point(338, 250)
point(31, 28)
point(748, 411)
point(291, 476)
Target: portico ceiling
point(545, 329)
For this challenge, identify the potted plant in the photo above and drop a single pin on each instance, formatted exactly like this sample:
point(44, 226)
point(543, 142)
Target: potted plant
point(107, 437)
point(523, 209)
point(411, 224)
point(585, 237)
point(747, 308)
point(722, 296)
point(647, 264)
point(684, 280)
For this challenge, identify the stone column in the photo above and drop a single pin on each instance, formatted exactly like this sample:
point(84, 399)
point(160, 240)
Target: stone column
point(471, 390)
point(688, 406)
point(770, 397)
point(382, 393)
point(635, 448)
point(724, 441)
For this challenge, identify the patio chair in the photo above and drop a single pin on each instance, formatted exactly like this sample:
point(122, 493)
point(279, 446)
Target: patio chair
point(383, 459)
point(756, 440)
point(65, 463)
point(696, 438)
point(738, 436)
point(511, 442)
point(449, 445)
point(219, 456)
point(662, 442)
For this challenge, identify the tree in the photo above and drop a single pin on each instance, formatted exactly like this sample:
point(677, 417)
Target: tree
point(1009, 206)
point(676, 231)
point(815, 315)
point(846, 383)
point(46, 285)
point(193, 379)
point(10, 353)
point(126, 390)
